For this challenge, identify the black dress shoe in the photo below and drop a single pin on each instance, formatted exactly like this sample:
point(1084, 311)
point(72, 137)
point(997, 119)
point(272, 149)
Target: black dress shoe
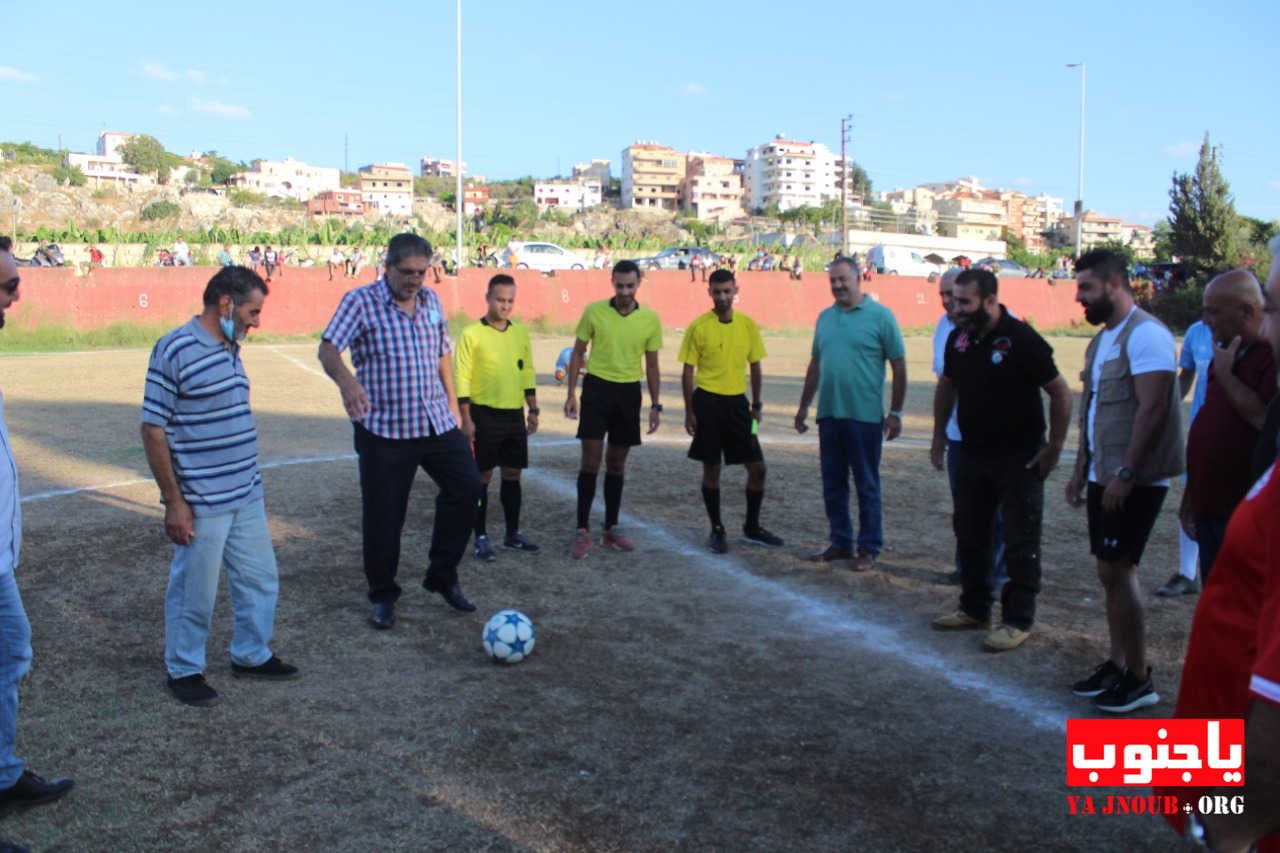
point(453, 595)
point(31, 790)
point(384, 615)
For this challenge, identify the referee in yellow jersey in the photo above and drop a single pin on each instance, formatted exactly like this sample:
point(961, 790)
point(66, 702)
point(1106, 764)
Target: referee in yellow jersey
point(717, 349)
point(625, 338)
point(493, 370)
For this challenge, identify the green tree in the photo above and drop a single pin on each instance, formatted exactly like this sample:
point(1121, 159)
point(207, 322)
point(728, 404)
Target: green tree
point(1202, 217)
point(71, 175)
point(220, 168)
point(144, 154)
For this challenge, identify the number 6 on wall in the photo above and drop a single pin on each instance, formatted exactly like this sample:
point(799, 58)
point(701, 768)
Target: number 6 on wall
point(143, 300)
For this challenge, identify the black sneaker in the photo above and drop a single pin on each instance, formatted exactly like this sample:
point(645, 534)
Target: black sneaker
point(717, 541)
point(517, 541)
point(760, 536)
point(31, 790)
point(192, 690)
point(1178, 585)
point(483, 550)
point(1104, 678)
point(1128, 694)
point(274, 668)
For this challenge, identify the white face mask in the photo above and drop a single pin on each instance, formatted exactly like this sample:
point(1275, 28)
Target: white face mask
point(229, 328)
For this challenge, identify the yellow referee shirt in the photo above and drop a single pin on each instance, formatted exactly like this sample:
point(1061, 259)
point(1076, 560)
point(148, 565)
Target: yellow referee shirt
point(494, 368)
point(618, 343)
point(720, 352)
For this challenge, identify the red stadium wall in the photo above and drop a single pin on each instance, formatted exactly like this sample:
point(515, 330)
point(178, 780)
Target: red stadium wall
point(302, 301)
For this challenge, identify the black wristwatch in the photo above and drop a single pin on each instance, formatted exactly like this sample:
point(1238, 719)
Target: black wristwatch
point(657, 407)
point(1124, 475)
point(534, 410)
point(756, 406)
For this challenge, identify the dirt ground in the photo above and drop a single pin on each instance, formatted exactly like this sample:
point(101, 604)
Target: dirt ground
point(676, 700)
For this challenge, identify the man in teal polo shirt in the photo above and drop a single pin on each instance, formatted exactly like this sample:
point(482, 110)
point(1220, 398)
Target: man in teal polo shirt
point(851, 343)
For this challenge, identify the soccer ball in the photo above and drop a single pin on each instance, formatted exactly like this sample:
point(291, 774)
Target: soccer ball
point(508, 636)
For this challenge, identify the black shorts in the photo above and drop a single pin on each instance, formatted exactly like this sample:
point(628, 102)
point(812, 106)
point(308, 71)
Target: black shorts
point(611, 408)
point(501, 438)
point(1122, 536)
point(724, 429)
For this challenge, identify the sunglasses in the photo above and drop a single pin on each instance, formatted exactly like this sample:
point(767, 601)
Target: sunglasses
point(10, 286)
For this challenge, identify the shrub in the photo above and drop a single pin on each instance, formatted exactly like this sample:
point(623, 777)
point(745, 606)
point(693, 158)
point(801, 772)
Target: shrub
point(162, 209)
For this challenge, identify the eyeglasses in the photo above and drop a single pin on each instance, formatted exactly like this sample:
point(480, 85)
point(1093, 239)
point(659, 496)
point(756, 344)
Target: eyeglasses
point(410, 273)
point(11, 286)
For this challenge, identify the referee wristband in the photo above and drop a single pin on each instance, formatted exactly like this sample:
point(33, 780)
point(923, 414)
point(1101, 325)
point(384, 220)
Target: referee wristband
point(657, 407)
point(535, 411)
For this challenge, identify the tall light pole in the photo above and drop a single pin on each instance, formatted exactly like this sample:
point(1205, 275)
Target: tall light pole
point(846, 125)
point(1080, 180)
point(459, 201)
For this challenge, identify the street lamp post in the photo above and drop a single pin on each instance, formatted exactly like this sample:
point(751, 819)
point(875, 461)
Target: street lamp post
point(846, 124)
point(1080, 176)
point(459, 201)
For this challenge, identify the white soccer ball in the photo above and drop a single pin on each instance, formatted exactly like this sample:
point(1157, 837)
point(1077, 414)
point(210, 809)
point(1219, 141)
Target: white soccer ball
point(508, 636)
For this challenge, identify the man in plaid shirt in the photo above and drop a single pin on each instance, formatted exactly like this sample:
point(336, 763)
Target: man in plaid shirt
point(402, 404)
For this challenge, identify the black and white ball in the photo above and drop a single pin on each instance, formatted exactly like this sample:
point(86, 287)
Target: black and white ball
point(508, 636)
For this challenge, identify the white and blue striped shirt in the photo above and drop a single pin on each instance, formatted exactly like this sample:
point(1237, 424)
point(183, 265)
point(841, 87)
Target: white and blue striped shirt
point(10, 504)
point(198, 391)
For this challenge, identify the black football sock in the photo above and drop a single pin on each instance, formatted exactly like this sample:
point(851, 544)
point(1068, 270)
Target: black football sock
point(612, 499)
point(754, 499)
point(711, 497)
point(482, 509)
point(586, 495)
point(509, 494)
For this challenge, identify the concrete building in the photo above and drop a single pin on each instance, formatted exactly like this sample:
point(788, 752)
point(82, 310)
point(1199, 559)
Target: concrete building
point(712, 188)
point(651, 176)
point(336, 203)
point(1142, 239)
point(792, 174)
point(568, 195)
point(913, 209)
point(105, 166)
point(971, 218)
point(387, 188)
point(596, 170)
point(1095, 229)
point(288, 178)
point(434, 167)
point(475, 197)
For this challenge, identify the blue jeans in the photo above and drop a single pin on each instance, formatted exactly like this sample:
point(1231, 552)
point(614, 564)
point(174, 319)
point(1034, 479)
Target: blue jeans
point(997, 536)
point(846, 444)
point(15, 660)
point(240, 540)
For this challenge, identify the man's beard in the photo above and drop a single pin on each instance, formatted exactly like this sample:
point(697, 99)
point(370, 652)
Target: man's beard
point(1100, 311)
point(975, 321)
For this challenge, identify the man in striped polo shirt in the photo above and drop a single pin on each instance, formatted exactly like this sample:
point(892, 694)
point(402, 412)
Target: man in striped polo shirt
point(625, 338)
point(494, 369)
point(401, 402)
point(202, 446)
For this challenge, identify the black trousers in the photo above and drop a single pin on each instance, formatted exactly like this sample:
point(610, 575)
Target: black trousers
point(387, 469)
point(983, 485)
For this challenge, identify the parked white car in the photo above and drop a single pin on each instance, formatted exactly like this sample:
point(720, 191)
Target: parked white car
point(544, 257)
point(896, 260)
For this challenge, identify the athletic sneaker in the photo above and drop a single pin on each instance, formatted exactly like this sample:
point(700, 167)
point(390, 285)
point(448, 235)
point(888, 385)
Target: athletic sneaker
point(760, 536)
point(484, 551)
point(617, 540)
point(1104, 678)
point(518, 542)
point(1005, 638)
point(717, 541)
point(1128, 694)
point(1178, 585)
point(959, 621)
point(581, 546)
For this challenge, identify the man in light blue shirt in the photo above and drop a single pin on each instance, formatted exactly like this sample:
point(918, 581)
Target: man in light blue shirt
point(851, 343)
point(18, 786)
point(1193, 368)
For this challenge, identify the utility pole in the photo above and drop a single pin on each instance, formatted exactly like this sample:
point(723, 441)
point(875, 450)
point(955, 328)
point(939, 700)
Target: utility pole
point(459, 201)
point(846, 127)
point(1080, 175)
point(346, 152)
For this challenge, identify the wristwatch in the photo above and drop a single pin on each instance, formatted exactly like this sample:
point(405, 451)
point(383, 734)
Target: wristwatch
point(1124, 475)
point(657, 407)
point(534, 410)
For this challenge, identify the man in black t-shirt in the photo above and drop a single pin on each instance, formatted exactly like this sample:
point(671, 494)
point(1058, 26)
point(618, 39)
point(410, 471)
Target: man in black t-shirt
point(994, 370)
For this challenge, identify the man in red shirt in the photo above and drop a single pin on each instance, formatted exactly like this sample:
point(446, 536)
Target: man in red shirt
point(1242, 380)
point(1233, 657)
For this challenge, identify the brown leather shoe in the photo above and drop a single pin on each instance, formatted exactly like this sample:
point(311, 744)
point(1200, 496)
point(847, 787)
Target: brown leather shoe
point(832, 553)
point(865, 562)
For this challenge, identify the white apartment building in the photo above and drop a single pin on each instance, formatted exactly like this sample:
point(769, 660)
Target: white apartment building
point(288, 178)
point(434, 167)
point(596, 170)
point(712, 188)
point(792, 174)
point(387, 188)
point(568, 195)
point(106, 165)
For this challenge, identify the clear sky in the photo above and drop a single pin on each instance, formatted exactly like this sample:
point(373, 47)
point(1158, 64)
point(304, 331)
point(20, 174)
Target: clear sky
point(938, 89)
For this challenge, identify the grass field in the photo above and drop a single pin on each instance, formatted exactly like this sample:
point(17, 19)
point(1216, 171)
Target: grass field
point(676, 700)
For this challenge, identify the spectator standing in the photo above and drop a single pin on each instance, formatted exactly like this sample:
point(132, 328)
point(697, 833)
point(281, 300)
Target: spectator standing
point(181, 253)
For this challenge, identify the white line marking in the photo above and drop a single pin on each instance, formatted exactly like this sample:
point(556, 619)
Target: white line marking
point(303, 365)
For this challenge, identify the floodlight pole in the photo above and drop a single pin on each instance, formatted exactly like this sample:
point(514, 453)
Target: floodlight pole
point(846, 125)
point(1080, 175)
point(460, 197)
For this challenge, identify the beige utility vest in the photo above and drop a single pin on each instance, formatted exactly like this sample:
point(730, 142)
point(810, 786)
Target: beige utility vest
point(1117, 406)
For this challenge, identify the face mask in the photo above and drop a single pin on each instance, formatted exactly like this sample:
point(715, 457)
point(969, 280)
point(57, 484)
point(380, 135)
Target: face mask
point(229, 329)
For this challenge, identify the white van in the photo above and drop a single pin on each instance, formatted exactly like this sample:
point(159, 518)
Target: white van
point(896, 260)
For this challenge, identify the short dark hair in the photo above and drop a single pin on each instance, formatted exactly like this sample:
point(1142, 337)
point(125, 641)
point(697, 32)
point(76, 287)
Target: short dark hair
point(498, 281)
point(988, 284)
point(1105, 263)
point(6, 243)
point(720, 276)
point(236, 282)
point(625, 267)
point(407, 245)
point(851, 264)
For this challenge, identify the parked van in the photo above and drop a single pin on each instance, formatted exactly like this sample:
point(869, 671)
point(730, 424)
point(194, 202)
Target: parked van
point(896, 260)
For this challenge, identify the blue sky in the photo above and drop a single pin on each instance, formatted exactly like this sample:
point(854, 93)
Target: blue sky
point(938, 90)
